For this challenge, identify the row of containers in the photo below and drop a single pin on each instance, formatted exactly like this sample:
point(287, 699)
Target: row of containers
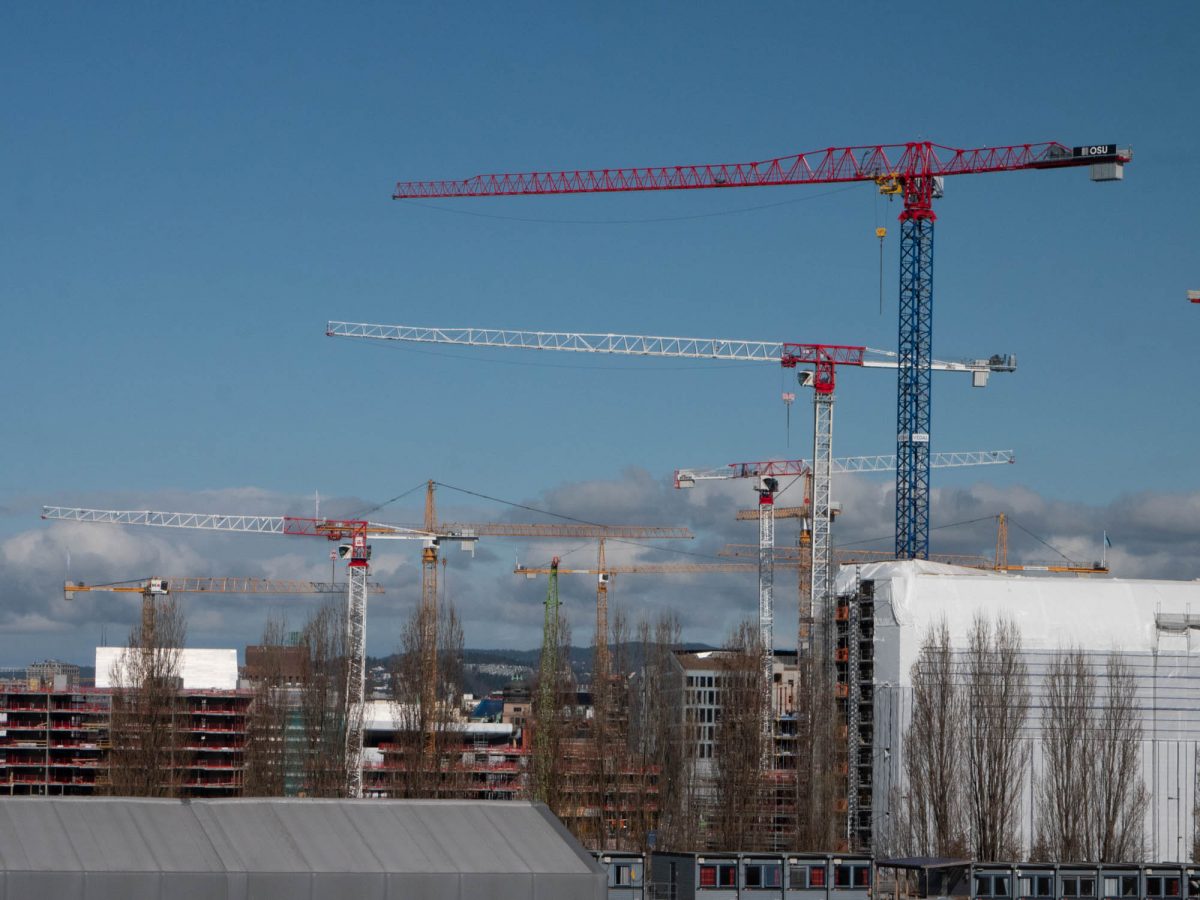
point(728, 876)
point(827, 876)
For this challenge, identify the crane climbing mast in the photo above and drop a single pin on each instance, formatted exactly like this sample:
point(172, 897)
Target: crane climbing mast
point(913, 171)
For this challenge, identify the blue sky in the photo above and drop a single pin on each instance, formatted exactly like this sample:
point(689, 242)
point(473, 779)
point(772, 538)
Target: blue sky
point(191, 192)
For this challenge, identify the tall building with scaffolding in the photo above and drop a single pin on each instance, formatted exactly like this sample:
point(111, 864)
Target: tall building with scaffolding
point(703, 698)
point(885, 610)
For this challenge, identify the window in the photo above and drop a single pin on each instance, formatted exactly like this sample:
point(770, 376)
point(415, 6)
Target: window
point(995, 885)
point(816, 876)
point(624, 875)
point(719, 875)
point(841, 876)
point(763, 875)
point(797, 877)
point(1078, 886)
point(1163, 885)
point(1120, 886)
point(862, 876)
point(1043, 886)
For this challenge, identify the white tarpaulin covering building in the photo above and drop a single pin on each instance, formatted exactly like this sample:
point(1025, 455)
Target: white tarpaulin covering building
point(201, 669)
point(118, 848)
point(1154, 625)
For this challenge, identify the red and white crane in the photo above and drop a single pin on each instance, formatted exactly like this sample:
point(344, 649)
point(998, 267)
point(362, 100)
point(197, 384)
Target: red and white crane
point(767, 474)
point(914, 172)
point(356, 552)
point(820, 362)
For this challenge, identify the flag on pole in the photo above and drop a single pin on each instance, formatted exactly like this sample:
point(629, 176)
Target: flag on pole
point(1107, 542)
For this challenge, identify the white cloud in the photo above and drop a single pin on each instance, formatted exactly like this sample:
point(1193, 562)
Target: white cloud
point(1153, 534)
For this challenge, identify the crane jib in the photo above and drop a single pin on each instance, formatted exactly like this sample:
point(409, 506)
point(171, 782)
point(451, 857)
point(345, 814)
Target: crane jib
point(912, 171)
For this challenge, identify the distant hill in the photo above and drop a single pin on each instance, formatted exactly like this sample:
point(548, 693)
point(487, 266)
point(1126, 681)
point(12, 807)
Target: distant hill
point(490, 670)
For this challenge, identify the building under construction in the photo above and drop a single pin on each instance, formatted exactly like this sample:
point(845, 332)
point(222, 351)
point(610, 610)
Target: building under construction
point(885, 610)
point(55, 735)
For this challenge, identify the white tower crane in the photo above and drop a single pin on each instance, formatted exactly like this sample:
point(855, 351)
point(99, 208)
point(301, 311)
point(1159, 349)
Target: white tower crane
point(767, 474)
point(823, 358)
point(356, 553)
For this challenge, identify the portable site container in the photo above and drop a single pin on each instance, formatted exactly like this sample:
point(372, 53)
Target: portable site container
point(688, 876)
point(1166, 882)
point(626, 874)
point(761, 876)
point(1120, 882)
point(851, 877)
point(808, 876)
point(1049, 881)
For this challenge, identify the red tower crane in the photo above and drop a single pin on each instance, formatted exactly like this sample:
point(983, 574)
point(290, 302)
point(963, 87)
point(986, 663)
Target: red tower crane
point(914, 172)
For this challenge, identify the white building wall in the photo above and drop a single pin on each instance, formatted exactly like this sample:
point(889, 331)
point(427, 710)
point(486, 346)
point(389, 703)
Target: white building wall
point(1096, 614)
point(201, 669)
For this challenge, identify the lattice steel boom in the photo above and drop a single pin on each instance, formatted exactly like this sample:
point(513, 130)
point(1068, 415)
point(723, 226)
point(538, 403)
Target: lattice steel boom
point(914, 172)
point(897, 162)
point(357, 559)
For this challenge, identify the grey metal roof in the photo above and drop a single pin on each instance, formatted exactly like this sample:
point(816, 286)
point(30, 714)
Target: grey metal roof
point(100, 848)
point(922, 862)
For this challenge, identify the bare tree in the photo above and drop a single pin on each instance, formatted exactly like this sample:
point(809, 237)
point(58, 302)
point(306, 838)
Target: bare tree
point(997, 703)
point(147, 754)
point(662, 757)
point(1068, 778)
point(739, 751)
point(613, 789)
point(1195, 857)
point(267, 752)
point(1119, 796)
point(552, 705)
point(933, 751)
point(598, 782)
point(324, 712)
point(425, 739)
point(821, 758)
point(1091, 795)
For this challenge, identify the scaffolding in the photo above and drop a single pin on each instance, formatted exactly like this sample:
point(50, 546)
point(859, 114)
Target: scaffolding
point(854, 663)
